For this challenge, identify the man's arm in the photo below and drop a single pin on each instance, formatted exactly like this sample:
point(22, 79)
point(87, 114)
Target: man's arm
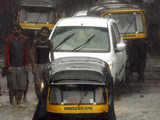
point(51, 50)
point(26, 53)
point(32, 56)
point(7, 53)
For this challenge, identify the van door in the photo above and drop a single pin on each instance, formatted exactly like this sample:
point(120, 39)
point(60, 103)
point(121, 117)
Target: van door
point(119, 54)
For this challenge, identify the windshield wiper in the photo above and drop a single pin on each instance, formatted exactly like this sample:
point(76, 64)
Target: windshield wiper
point(85, 43)
point(65, 39)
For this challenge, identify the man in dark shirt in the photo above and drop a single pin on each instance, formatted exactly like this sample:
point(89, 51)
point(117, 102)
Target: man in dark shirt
point(16, 55)
point(41, 48)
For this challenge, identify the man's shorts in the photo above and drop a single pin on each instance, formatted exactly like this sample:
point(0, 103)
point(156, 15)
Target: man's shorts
point(17, 79)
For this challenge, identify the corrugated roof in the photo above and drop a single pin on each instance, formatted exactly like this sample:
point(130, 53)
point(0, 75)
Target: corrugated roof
point(78, 63)
point(38, 3)
point(80, 70)
point(101, 7)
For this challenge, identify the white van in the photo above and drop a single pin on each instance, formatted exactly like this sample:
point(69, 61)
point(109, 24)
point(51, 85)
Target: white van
point(91, 37)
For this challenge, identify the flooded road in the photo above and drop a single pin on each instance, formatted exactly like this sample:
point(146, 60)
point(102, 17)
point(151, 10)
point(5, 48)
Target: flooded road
point(137, 102)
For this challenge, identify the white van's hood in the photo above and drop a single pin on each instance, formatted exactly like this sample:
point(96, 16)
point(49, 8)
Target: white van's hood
point(106, 57)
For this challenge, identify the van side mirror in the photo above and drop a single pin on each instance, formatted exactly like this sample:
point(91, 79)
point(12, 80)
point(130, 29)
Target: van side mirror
point(120, 46)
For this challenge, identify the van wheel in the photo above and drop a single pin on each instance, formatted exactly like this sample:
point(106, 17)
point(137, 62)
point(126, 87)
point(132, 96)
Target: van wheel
point(111, 112)
point(128, 73)
point(124, 79)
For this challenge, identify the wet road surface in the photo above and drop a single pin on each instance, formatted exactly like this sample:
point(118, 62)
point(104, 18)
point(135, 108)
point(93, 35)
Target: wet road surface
point(136, 102)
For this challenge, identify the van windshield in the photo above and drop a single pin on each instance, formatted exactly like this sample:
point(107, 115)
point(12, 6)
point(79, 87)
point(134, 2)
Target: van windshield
point(129, 22)
point(77, 94)
point(89, 39)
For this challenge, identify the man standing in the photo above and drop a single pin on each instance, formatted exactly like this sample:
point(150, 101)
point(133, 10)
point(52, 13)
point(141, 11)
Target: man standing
point(40, 59)
point(16, 55)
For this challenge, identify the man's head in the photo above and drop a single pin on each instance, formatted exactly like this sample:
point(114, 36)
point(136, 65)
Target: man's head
point(44, 31)
point(17, 29)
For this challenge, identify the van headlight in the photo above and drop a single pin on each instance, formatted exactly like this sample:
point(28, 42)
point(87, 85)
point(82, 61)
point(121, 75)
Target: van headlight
point(110, 66)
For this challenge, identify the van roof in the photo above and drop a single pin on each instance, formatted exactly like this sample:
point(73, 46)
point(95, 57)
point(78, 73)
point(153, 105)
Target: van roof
point(38, 3)
point(101, 7)
point(84, 21)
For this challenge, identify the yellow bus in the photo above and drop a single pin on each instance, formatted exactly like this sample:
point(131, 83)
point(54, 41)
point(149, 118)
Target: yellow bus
point(34, 14)
point(130, 18)
point(132, 26)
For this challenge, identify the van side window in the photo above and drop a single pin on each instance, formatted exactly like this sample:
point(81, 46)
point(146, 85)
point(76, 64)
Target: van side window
point(140, 23)
point(117, 33)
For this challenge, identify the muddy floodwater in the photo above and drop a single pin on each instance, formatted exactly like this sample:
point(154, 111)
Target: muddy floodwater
point(136, 102)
